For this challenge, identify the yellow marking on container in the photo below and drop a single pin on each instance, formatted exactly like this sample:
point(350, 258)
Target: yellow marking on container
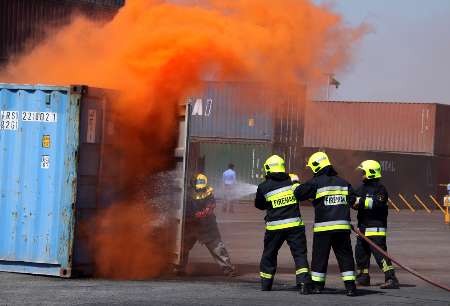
point(393, 205)
point(406, 202)
point(46, 141)
point(437, 204)
point(422, 203)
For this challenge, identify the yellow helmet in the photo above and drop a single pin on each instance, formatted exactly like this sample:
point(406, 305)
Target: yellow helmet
point(201, 181)
point(294, 178)
point(371, 169)
point(274, 164)
point(318, 161)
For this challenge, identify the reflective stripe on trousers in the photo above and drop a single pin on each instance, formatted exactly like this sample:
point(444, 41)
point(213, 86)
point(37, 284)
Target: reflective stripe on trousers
point(348, 276)
point(265, 275)
point(386, 267)
point(285, 223)
point(331, 190)
point(317, 276)
point(375, 231)
point(332, 225)
point(301, 270)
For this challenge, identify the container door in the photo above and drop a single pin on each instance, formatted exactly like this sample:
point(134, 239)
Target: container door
point(38, 145)
point(182, 169)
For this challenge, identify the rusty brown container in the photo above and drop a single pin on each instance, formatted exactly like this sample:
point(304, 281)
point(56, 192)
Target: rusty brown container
point(419, 128)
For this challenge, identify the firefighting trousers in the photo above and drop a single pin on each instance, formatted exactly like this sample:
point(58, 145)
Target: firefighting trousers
point(296, 240)
point(340, 241)
point(363, 251)
point(210, 237)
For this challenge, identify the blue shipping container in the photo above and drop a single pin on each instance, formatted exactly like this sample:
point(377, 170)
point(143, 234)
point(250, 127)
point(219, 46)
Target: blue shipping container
point(51, 144)
point(246, 110)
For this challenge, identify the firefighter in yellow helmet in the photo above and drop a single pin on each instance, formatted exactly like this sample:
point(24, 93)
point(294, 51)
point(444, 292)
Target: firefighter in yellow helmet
point(331, 197)
point(372, 207)
point(201, 226)
point(283, 223)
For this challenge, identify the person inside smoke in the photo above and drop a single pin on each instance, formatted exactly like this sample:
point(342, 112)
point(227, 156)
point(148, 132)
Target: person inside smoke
point(201, 226)
point(229, 185)
point(372, 207)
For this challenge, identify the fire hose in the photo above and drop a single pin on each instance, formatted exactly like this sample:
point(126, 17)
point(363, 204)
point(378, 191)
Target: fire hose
point(386, 255)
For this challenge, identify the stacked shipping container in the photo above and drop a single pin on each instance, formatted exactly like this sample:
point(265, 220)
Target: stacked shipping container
point(411, 140)
point(417, 128)
point(241, 123)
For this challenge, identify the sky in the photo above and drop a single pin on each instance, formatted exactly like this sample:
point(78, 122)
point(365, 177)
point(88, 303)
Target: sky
point(405, 56)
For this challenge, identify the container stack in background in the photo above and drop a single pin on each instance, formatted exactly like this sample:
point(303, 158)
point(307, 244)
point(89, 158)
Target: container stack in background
point(24, 23)
point(243, 123)
point(410, 140)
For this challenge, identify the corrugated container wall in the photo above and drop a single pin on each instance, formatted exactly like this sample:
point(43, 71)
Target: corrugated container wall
point(244, 110)
point(389, 127)
point(60, 165)
point(442, 136)
point(23, 23)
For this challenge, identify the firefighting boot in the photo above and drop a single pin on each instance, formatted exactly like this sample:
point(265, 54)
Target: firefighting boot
point(363, 279)
point(318, 287)
point(304, 288)
point(391, 283)
point(266, 284)
point(350, 288)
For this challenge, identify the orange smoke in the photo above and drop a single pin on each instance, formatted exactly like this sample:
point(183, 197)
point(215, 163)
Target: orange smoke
point(154, 52)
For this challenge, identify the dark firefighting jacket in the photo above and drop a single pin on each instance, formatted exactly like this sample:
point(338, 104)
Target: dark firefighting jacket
point(372, 206)
point(276, 196)
point(331, 196)
point(201, 205)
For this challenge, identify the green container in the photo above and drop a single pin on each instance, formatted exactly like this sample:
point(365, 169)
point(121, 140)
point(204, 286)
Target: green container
point(212, 158)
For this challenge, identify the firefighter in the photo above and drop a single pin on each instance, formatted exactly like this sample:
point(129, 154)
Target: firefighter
point(372, 207)
point(283, 223)
point(331, 197)
point(201, 225)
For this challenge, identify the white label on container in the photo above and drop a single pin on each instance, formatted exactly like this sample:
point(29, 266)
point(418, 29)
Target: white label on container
point(45, 162)
point(39, 117)
point(92, 122)
point(9, 120)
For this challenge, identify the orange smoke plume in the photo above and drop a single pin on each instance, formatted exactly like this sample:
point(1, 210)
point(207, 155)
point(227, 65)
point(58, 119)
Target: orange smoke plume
point(154, 52)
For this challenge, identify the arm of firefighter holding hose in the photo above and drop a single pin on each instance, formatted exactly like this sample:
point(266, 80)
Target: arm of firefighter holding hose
point(306, 191)
point(365, 201)
point(260, 200)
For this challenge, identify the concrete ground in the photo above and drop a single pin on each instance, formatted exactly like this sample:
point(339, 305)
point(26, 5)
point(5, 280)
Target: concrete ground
point(419, 240)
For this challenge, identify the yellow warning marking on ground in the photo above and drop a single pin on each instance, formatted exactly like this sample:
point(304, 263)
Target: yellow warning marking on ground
point(422, 203)
point(406, 202)
point(393, 205)
point(437, 204)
